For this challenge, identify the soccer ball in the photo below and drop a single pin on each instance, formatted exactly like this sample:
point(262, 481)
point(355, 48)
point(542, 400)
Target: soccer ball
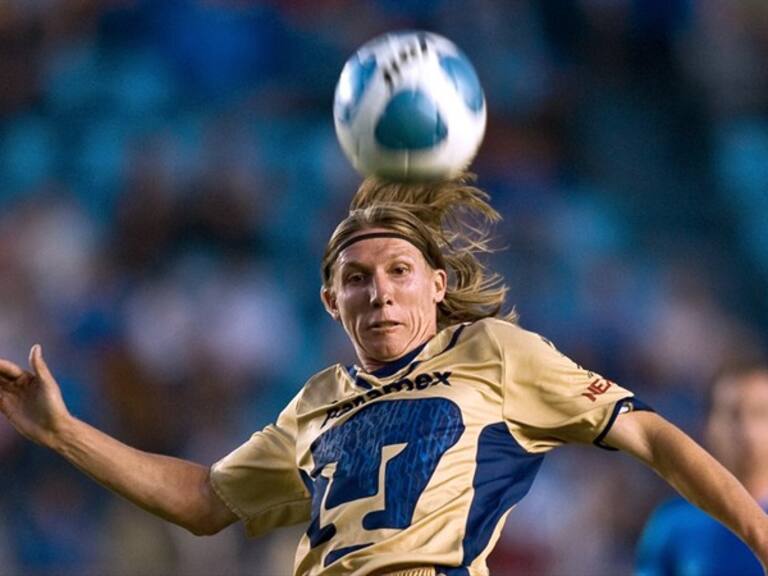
point(409, 106)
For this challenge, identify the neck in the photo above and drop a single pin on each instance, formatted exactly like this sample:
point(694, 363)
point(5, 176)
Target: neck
point(371, 364)
point(755, 480)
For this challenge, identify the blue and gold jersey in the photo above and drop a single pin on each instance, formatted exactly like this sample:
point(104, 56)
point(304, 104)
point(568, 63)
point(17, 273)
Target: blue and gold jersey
point(414, 467)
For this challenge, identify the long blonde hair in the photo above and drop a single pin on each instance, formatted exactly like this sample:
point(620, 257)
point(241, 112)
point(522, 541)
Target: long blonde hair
point(449, 222)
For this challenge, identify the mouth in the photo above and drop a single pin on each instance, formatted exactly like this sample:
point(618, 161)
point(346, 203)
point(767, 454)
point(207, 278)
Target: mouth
point(383, 325)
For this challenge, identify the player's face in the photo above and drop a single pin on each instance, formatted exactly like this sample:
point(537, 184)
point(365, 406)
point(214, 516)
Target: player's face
point(738, 423)
point(385, 294)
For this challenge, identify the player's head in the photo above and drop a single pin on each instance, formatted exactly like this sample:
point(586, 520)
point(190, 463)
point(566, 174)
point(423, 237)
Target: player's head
point(737, 426)
point(428, 233)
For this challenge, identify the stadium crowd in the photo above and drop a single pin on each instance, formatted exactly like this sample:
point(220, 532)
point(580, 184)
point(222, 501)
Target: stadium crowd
point(169, 176)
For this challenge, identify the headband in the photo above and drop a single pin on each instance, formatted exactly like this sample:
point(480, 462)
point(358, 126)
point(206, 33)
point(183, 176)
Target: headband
point(349, 241)
point(434, 262)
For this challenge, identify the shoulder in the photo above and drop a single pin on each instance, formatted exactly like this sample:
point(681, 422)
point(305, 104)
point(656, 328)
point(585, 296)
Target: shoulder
point(675, 526)
point(665, 521)
point(508, 332)
point(524, 355)
point(496, 329)
point(674, 514)
point(514, 341)
point(674, 507)
point(658, 544)
point(485, 338)
point(320, 387)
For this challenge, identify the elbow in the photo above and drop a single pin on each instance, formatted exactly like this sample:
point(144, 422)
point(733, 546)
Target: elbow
point(203, 529)
point(209, 523)
point(203, 526)
point(209, 515)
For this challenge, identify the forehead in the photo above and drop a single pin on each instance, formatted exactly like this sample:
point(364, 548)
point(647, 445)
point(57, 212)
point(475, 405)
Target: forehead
point(743, 389)
point(373, 251)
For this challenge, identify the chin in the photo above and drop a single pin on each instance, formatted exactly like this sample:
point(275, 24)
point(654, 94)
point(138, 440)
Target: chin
point(387, 352)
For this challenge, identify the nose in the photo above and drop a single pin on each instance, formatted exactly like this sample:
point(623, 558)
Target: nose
point(381, 291)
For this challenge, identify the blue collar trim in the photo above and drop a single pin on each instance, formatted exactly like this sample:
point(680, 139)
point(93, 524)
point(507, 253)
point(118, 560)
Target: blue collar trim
point(396, 365)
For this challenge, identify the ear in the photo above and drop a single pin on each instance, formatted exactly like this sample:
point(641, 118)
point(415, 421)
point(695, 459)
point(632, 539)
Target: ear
point(329, 301)
point(440, 280)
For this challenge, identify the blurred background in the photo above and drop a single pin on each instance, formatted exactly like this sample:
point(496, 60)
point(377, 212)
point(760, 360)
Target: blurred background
point(169, 176)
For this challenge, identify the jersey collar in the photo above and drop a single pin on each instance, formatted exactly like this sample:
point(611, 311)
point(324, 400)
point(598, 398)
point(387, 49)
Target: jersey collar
point(410, 358)
point(389, 368)
point(396, 365)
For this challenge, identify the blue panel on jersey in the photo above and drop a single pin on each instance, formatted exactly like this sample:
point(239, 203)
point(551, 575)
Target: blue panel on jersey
point(504, 474)
point(308, 483)
point(349, 96)
point(427, 426)
point(334, 555)
point(460, 71)
point(319, 534)
point(411, 121)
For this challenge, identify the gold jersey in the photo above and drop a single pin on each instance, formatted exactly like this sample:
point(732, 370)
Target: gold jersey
point(415, 466)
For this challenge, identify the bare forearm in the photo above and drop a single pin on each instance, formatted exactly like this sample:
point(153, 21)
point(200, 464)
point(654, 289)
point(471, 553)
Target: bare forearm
point(695, 474)
point(707, 484)
point(174, 489)
point(171, 488)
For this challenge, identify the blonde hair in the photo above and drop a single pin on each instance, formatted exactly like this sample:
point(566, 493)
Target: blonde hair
point(449, 222)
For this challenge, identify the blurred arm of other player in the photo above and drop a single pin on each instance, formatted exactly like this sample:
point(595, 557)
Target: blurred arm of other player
point(695, 474)
point(176, 490)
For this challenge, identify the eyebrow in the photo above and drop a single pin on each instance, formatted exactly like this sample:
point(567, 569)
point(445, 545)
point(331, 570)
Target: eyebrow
point(351, 263)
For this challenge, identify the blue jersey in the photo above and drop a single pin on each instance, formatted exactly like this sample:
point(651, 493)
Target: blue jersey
point(681, 540)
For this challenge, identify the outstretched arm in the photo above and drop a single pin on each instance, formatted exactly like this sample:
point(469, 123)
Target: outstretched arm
point(695, 474)
point(176, 490)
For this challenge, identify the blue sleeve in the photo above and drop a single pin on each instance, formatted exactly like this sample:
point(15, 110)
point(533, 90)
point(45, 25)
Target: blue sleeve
point(655, 551)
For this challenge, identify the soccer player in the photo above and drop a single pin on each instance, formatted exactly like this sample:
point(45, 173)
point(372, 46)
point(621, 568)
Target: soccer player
point(679, 539)
point(408, 462)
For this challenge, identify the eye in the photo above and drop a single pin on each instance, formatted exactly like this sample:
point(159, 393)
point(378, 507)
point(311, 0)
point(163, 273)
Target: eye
point(354, 278)
point(400, 269)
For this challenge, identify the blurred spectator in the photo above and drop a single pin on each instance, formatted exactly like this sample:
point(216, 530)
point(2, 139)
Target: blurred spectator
point(680, 539)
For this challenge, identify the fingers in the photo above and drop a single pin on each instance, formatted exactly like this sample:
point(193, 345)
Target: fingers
point(38, 364)
point(9, 370)
point(13, 386)
point(11, 374)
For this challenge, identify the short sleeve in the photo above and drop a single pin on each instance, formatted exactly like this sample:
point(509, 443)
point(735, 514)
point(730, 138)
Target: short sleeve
point(260, 481)
point(548, 398)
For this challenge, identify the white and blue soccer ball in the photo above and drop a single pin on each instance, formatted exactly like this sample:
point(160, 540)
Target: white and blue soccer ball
point(409, 106)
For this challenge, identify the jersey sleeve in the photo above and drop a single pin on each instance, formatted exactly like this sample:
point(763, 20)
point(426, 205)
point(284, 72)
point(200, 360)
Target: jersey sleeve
point(260, 481)
point(548, 399)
